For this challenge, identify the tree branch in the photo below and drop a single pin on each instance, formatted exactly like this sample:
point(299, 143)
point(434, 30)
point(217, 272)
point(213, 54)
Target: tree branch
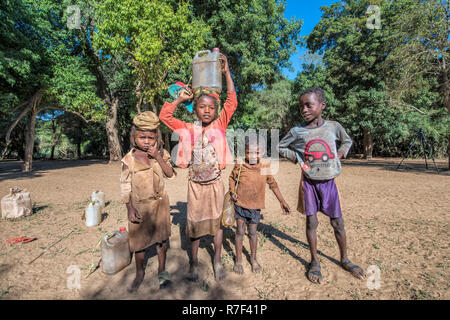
point(69, 111)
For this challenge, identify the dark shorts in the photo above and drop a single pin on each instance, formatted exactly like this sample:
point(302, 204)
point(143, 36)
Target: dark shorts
point(320, 196)
point(247, 215)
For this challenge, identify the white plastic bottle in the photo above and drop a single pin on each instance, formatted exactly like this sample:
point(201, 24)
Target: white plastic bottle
point(99, 196)
point(93, 214)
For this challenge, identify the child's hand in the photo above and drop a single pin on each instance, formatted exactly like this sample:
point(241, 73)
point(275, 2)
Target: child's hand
point(153, 152)
point(133, 215)
point(235, 197)
point(285, 208)
point(340, 155)
point(225, 66)
point(185, 95)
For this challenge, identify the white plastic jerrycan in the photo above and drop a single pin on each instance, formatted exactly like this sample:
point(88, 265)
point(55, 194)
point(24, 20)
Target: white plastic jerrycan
point(99, 196)
point(115, 251)
point(93, 214)
point(207, 70)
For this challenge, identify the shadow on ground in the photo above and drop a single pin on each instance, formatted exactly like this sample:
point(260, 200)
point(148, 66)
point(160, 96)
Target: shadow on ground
point(115, 287)
point(409, 165)
point(179, 218)
point(13, 169)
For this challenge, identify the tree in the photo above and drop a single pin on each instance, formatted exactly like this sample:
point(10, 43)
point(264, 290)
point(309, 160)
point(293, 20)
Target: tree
point(156, 38)
point(420, 55)
point(272, 108)
point(60, 79)
point(254, 34)
point(355, 58)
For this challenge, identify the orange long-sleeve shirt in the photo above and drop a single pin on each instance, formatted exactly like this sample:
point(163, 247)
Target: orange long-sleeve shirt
point(189, 132)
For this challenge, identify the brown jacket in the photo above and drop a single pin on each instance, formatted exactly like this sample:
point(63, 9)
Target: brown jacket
point(143, 185)
point(252, 185)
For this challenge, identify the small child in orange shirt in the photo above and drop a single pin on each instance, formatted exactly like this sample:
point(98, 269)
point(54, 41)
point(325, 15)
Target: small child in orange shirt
point(249, 197)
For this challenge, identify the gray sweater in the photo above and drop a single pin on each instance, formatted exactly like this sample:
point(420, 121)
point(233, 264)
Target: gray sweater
point(315, 149)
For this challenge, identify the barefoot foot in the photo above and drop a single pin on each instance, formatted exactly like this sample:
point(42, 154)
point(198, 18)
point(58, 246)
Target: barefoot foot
point(238, 268)
point(219, 271)
point(193, 272)
point(137, 282)
point(255, 266)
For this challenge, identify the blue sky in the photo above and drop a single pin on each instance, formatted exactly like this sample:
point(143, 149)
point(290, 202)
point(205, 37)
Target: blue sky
point(309, 11)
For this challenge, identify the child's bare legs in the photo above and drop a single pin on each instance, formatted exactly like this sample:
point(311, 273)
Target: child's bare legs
point(253, 244)
point(161, 250)
point(240, 232)
point(140, 272)
point(339, 232)
point(313, 274)
point(163, 275)
point(218, 268)
point(193, 264)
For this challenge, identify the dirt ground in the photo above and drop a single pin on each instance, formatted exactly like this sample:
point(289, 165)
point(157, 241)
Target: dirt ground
point(395, 220)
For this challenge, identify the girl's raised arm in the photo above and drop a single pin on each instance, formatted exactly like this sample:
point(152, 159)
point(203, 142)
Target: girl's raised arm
point(231, 103)
point(166, 114)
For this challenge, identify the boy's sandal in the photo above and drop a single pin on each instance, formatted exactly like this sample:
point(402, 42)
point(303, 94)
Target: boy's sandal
point(164, 279)
point(314, 272)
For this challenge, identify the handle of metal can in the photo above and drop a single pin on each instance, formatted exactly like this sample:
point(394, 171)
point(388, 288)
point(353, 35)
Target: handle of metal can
point(114, 233)
point(202, 53)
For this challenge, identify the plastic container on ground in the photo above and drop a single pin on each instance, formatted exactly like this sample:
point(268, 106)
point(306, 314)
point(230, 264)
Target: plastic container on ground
point(93, 214)
point(115, 252)
point(207, 70)
point(16, 204)
point(99, 196)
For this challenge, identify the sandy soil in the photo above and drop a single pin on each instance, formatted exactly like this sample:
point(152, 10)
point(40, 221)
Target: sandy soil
point(395, 220)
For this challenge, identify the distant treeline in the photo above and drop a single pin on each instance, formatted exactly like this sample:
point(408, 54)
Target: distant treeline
point(74, 73)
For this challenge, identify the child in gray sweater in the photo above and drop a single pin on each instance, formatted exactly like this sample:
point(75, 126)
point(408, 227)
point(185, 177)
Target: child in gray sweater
point(313, 145)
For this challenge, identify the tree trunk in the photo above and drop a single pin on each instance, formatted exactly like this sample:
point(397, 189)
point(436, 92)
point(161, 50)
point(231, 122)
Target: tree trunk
point(112, 132)
point(446, 92)
point(78, 150)
point(52, 153)
point(153, 105)
point(28, 158)
point(167, 141)
point(54, 139)
point(16, 121)
point(368, 144)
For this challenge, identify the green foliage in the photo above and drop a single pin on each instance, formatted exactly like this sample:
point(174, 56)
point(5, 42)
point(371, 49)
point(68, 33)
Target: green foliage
point(156, 38)
point(356, 59)
point(421, 33)
point(21, 60)
point(271, 108)
point(70, 136)
point(254, 34)
point(73, 87)
point(391, 81)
